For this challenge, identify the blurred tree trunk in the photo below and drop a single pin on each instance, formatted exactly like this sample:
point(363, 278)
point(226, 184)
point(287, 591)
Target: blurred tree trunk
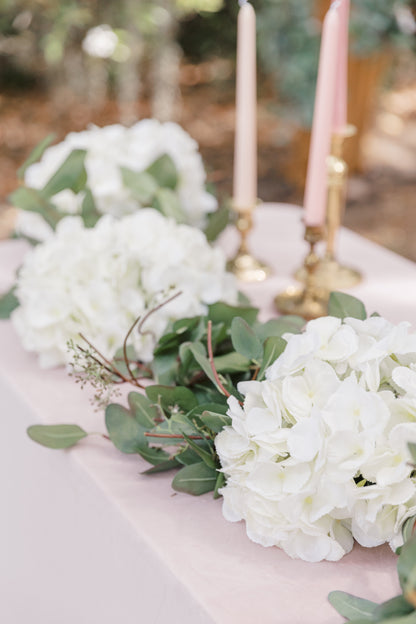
point(164, 70)
point(97, 78)
point(68, 80)
point(128, 79)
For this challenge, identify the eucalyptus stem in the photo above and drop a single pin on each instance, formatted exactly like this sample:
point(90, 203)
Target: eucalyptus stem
point(173, 436)
point(113, 368)
point(211, 361)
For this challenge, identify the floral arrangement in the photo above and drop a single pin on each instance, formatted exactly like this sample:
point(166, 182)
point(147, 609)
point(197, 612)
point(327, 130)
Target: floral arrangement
point(95, 282)
point(304, 434)
point(317, 455)
point(115, 170)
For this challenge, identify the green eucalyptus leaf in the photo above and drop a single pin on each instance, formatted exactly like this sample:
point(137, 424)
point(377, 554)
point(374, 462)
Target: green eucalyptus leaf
point(164, 171)
point(143, 410)
point(217, 222)
point(187, 456)
point(199, 332)
point(168, 203)
point(141, 185)
point(219, 333)
point(207, 393)
point(412, 449)
point(273, 348)
point(165, 368)
point(342, 306)
point(198, 351)
point(410, 618)
point(215, 421)
point(360, 620)
point(162, 467)
point(245, 340)
point(408, 529)
point(206, 456)
point(172, 397)
point(394, 607)
point(177, 424)
point(89, 212)
point(352, 607)
point(231, 363)
point(187, 360)
point(195, 479)
point(56, 436)
point(154, 455)
point(33, 201)
point(70, 175)
point(223, 313)
point(243, 300)
point(35, 155)
point(167, 342)
point(406, 566)
point(277, 327)
point(8, 303)
point(125, 432)
point(203, 407)
point(220, 482)
point(184, 325)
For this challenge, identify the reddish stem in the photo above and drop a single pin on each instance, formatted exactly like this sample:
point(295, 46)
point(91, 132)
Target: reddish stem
point(211, 361)
point(110, 364)
point(172, 436)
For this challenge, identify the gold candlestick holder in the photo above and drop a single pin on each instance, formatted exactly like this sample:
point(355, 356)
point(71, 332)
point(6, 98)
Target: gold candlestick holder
point(311, 300)
point(245, 266)
point(331, 274)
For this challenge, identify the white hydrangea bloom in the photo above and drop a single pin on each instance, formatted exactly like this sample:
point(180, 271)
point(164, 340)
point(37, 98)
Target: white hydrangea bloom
point(317, 455)
point(97, 281)
point(111, 147)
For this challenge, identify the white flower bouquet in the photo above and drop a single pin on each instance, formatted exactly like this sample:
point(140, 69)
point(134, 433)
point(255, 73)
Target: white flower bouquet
point(317, 455)
point(96, 281)
point(114, 170)
point(307, 436)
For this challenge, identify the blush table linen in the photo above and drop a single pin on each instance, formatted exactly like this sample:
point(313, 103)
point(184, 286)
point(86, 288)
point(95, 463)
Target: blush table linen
point(85, 538)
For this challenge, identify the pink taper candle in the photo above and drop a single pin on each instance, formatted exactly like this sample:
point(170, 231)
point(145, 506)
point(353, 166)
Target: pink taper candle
point(245, 146)
point(341, 98)
point(316, 177)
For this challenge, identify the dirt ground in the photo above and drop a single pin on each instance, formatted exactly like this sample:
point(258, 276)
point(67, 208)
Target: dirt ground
point(381, 198)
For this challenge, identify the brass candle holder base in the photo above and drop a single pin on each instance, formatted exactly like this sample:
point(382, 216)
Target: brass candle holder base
point(245, 266)
point(299, 301)
point(332, 275)
point(311, 300)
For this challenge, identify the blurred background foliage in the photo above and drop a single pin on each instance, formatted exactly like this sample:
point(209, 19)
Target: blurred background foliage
point(67, 63)
point(99, 45)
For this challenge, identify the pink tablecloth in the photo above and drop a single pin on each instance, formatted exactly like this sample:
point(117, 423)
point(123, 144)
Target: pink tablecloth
point(86, 539)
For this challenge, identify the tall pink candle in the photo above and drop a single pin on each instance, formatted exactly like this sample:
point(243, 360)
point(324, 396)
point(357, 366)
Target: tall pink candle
point(341, 98)
point(316, 177)
point(245, 146)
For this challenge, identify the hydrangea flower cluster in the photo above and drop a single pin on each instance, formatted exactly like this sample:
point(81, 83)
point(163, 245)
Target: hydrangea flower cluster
point(98, 281)
point(108, 149)
point(317, 455)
